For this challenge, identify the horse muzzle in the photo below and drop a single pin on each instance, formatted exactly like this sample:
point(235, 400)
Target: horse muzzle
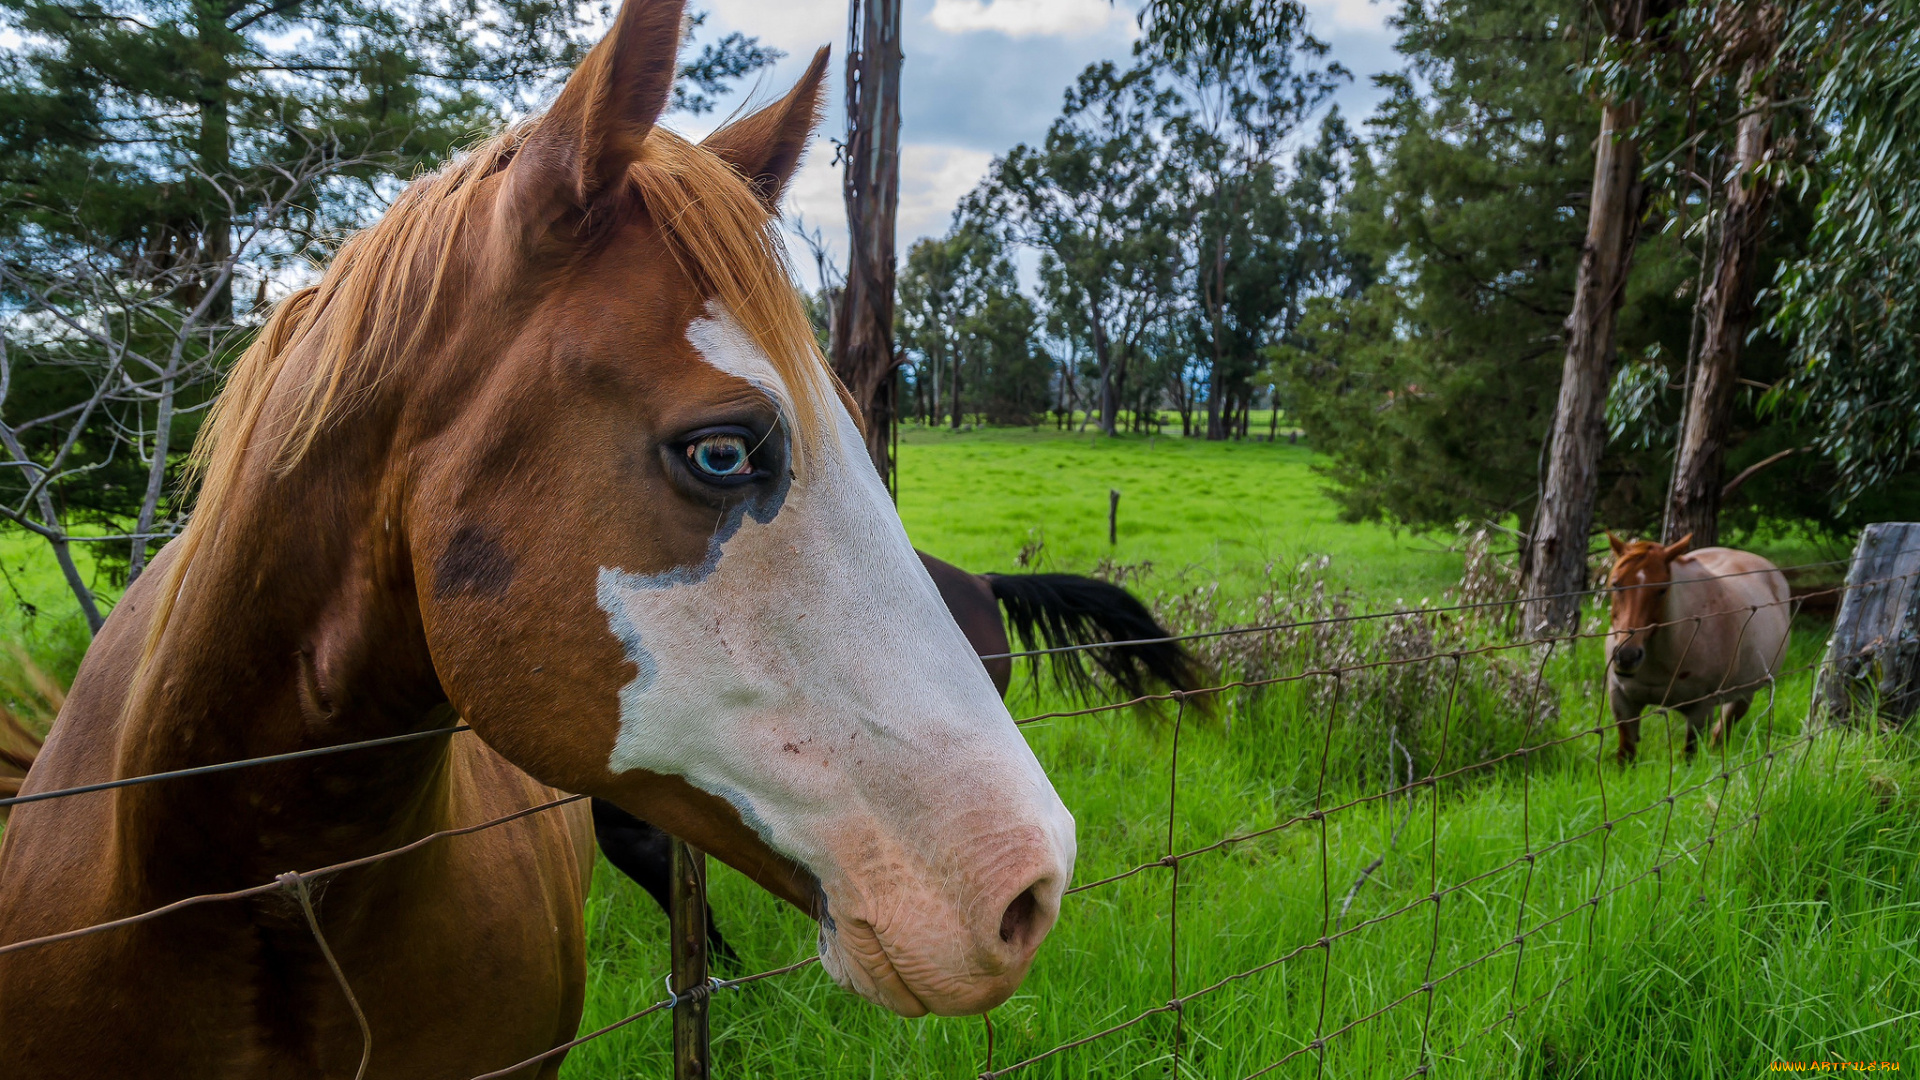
point(914, 961)
point(1627, 658)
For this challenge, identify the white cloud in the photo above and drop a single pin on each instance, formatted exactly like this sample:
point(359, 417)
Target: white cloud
point(933, 179)
point(1368, 16)
point(1025, 18)
point(796, 27)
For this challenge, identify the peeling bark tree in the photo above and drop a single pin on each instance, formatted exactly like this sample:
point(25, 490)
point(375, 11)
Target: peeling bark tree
point(1693, 505)
point(1556, 562)
point(863, 354)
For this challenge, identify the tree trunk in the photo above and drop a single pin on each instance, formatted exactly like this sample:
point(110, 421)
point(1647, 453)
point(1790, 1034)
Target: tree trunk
point(956, 391)
point(1872, 667)
point(863, 353)
point(1216, 295)
point(214, 152)
point(1557, 550)
point(937, 372)
point(1693, 505)
point(1103, 358)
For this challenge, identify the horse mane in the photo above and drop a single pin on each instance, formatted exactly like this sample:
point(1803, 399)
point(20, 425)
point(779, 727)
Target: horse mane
point(384, 291)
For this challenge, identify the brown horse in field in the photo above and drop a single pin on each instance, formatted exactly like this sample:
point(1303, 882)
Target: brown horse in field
point(549, 448)
point(1692, 631)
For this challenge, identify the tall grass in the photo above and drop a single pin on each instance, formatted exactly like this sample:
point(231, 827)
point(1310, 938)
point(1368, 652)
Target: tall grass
point(1791, 936)
point(1686, 937)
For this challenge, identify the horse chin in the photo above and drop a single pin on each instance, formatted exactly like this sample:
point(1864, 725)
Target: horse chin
point(922, 963)
point(859, 961)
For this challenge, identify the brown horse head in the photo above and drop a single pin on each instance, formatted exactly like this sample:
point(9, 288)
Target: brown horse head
point(567, 389)
point(1639, 581)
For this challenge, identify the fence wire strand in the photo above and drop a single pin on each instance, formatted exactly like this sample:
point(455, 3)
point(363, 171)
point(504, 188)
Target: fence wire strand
point(296, 884)
point(1607, 884)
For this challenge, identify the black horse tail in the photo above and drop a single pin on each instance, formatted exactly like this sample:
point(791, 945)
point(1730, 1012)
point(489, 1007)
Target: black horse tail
point(643, 851)
point(1058, 611)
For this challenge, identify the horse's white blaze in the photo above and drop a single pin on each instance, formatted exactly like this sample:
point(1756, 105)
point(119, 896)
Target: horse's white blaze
point(808, 672)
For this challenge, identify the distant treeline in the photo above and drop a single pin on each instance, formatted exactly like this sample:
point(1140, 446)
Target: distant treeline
point(1204, 236)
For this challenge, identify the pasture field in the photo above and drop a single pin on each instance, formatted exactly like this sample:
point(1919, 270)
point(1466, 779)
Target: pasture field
point(1718, 942)
point(1792, 936)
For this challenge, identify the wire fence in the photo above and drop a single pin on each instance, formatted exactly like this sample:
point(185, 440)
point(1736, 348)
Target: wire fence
point(1336, 685)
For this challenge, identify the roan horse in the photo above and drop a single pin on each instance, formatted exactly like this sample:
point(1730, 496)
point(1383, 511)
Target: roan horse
point(549, 447)
point(1692, 631)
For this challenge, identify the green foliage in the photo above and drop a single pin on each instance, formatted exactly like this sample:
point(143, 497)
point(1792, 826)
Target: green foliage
point(1853, 299)
point(970, 329)
point(1099, 202)
point(1243, 94)
point(1432, 389)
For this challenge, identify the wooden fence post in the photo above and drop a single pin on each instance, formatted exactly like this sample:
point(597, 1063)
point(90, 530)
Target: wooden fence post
point(1113, 517)
point(1875, 648)
point(687, 918)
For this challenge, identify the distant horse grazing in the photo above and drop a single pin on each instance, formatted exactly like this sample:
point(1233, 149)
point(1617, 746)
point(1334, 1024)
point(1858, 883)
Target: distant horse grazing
point(1691, 631)
point(1048, 611)
point(549, 449)
point(1059, 611)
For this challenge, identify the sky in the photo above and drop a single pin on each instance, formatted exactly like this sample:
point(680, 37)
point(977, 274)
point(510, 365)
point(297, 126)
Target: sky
point(978, 77)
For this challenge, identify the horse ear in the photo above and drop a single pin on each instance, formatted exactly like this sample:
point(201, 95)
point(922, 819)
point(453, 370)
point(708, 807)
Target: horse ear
point(1618, 545)
point(594, 130)
point(1678, 547)
point(766, 147)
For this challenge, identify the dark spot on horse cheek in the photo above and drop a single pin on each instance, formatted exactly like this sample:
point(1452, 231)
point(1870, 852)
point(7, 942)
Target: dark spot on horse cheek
point(473, 563)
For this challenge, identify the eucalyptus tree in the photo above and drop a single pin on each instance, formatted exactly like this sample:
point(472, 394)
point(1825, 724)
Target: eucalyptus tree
point(971, 332)
point(1100, 201)
point(1852, 300)
point(940, 284)
point(1244, 90)
point(1554, 564)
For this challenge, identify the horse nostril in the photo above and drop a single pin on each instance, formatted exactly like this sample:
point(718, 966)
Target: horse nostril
point(1628, 657)
point(1018, 918)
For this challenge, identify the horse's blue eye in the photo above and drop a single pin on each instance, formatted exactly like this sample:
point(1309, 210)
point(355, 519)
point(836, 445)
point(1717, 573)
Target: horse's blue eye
point(720, 456)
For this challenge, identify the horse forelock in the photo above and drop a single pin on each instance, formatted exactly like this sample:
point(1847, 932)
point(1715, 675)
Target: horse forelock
point(1642, 563)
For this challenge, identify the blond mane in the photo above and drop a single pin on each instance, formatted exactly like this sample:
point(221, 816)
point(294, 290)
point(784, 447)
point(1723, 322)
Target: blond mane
point(383, 293)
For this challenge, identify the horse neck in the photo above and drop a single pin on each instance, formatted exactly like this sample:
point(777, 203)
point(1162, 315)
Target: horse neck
point(295, 628)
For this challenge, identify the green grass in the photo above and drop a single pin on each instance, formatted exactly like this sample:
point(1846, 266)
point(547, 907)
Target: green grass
point(1791, 936)
point(1197, 511)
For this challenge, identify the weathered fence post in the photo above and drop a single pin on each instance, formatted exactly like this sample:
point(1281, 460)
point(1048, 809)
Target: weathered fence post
point(1113, 517)
point(687, 918)
point(1875, 648)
